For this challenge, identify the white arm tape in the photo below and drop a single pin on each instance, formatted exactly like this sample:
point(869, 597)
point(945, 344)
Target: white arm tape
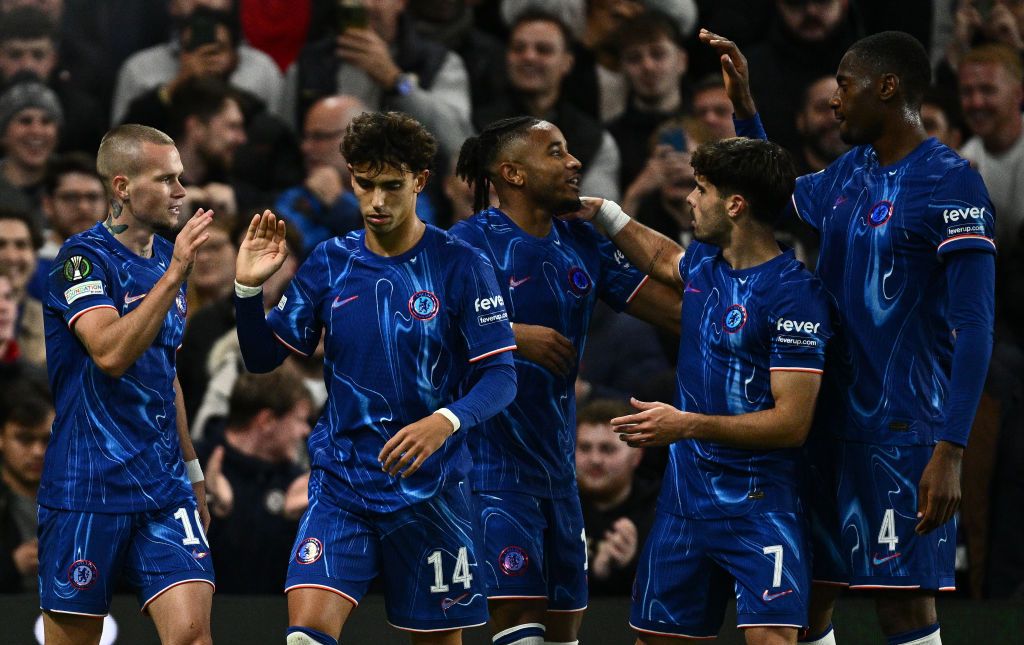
point(448, 414)
point(243, 291)
point(611, 218)
point(195, 471)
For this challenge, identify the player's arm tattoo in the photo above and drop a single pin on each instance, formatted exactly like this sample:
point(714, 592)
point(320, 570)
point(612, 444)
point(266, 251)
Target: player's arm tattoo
point(116, 208)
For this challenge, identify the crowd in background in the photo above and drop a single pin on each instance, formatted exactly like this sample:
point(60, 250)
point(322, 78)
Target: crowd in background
point(257, 95)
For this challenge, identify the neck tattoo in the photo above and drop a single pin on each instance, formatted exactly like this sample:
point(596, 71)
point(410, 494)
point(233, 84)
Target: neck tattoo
point(116, 208)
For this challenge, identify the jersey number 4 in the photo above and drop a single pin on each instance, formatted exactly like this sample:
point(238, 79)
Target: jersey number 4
point(887, 534)
point(461, 573)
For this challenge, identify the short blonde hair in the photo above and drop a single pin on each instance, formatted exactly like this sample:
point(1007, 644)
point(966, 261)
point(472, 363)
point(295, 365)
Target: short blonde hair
point(997, 54)
point(121, 149)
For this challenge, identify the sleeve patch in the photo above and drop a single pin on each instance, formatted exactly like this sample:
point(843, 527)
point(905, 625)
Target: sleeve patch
point(90, 288)
point(77, 267)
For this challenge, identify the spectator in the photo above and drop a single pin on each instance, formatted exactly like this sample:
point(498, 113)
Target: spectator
point(975, 23)
point(654, 62)
point(818, 128)
point(388, 66)
point(991, 94)
point(30, 119)
point(209, 130)
point(804, 43)
point(26, 413)
point(539, 58)
point(323, 205)
point(73, 200)
point(208, 39)
point(451, 24)
point(711, 106)
point(9, 350)
point(213, 275)
point(248, 475)
point(20, 240)
point(618, 507)
point(29, 48)
point(942, 118)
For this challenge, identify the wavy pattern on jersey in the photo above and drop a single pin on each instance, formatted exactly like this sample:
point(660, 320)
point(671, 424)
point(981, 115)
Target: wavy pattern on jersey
point(115, 445)
point(729, 344)
point(386, 367)
point(883, 233)
point(530, 446)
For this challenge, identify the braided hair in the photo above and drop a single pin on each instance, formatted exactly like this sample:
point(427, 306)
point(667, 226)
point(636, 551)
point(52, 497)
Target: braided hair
point(478, 154)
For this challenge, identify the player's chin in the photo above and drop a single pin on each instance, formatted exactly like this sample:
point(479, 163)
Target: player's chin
point(570, 204)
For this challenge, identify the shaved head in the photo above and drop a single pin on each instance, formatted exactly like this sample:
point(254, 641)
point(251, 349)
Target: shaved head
point(120, 150)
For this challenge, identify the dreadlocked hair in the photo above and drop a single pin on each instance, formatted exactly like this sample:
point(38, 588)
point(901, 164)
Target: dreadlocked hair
point(478, 154)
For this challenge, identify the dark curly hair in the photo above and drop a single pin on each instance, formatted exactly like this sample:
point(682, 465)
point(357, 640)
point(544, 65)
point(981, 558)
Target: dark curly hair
point(760, 171)
point(383, 139)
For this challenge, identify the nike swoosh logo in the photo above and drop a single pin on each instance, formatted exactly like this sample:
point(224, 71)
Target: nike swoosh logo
point(513, 283)
point(448, 603)
point(768, 597)
point(338, 302)
point(691, 289)
point(877, 560)
point(130, 299)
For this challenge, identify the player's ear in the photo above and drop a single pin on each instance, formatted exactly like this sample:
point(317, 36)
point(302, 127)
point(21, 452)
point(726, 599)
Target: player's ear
point(736, 204)
point(119, 186)
point(420, 180)
point(888, 85)
point(511, 173)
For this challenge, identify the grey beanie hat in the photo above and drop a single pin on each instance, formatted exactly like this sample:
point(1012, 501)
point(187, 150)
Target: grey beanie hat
point(28, 94)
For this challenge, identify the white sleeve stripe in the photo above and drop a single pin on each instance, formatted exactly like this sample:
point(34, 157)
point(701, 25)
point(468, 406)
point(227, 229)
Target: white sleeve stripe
point(285, 343)
point(968, 237)
point(86, 310)
point(810, 370)
point(641, 286)
point(492, 353)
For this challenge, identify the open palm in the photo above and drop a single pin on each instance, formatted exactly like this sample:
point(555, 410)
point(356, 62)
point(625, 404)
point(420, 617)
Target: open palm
point(263, 250)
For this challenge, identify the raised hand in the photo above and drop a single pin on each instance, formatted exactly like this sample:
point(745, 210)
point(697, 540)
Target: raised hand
point(734, 71)
point(411, 445)
point(191, 236)
point(545, 347)
point(263, 250)
point(219, 494)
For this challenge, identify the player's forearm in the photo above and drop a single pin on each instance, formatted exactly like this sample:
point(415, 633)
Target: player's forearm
point(188, 452)
point(261, 351)
point(116, 347)
point(647, 249)
point(491, 394)
point(763, 430)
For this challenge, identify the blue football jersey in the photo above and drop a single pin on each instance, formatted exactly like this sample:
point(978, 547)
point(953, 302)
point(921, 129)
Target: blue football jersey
point(400, 336)
point(737, 327)
point(115, 446)
point(884, 233)
point(553, 281)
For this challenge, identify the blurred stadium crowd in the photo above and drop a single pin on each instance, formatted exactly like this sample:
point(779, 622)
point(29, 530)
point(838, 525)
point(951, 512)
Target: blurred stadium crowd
point(257, 95)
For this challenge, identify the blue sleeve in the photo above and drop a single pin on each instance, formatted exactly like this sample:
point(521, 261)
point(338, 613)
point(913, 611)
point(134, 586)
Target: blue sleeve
point(620, 281)
point(960, 215)
point(800, 325)
point(751, 128)
point(482, 316)
point(493, 391)
point(971, 285)
point(78, 282)
point(261, 351)
point(295, 320)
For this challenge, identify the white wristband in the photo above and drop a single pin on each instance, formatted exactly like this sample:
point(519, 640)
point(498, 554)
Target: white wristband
point(611, 218)
point(448, 414)
point(195, 471)
point(243, 291)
